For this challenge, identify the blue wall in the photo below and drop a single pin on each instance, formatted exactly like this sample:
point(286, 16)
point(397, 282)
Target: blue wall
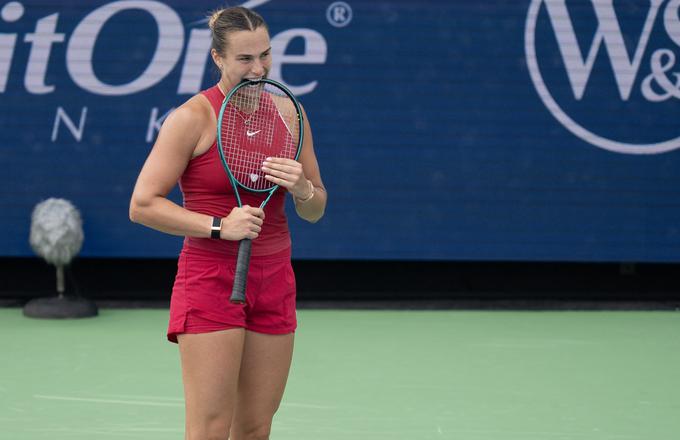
point(453, 130)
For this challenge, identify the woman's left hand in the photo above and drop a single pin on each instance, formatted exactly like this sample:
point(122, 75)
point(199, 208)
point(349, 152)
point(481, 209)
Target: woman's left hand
point(288, 174)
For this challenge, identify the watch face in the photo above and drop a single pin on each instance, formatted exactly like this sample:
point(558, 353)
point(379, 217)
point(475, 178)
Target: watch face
point(216, 226)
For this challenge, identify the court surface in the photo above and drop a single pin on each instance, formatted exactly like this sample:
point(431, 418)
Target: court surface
point(416, 375)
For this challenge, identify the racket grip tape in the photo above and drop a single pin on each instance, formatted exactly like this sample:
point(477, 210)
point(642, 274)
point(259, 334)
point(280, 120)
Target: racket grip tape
point(238, 294)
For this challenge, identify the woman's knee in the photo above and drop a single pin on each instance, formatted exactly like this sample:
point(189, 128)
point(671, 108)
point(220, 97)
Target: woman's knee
point(214, 427)
point(253, 431)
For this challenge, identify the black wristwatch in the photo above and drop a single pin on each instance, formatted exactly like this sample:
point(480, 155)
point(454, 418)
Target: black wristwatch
point(216, 228)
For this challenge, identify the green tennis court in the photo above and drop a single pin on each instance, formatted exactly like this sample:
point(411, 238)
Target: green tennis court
point(492, 375)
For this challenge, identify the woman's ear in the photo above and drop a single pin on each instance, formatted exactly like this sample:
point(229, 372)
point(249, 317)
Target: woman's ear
point(216, 58)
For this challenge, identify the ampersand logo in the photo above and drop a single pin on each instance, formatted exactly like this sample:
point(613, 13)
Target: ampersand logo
point(660, 69)
point(607, 70)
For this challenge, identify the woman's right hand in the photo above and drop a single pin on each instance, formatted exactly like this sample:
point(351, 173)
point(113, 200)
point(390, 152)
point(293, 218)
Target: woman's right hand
point(243, 222)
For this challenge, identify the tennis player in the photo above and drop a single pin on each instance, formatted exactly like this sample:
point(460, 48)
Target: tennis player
point(235, 358)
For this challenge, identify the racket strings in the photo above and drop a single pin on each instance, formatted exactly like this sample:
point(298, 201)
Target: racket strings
point(259, 122)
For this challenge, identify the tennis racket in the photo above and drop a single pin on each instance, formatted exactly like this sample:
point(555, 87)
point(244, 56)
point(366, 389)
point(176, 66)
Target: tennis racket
point(258, 119)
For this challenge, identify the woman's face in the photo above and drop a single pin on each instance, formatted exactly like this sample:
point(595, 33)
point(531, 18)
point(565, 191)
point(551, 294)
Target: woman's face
point(248, 56)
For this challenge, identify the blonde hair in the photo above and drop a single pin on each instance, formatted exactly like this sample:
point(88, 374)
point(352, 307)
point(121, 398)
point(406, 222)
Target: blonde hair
point(227, 20)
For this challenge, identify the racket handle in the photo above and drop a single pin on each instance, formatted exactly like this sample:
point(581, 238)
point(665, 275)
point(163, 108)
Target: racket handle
point(238, 294)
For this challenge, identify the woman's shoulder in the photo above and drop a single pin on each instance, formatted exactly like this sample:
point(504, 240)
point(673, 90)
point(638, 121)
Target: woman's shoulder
point(196, 109)
point(283, 103)
point(193, 115)
point(194, 121)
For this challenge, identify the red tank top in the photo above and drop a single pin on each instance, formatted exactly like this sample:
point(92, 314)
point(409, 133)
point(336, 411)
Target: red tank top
point(206, 189)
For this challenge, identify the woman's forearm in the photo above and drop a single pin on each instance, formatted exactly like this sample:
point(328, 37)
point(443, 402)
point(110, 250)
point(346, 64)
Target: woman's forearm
point(166, 216)
point(313, 208)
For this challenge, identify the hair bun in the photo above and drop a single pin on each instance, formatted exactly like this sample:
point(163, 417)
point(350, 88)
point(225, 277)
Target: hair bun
point(213, 18)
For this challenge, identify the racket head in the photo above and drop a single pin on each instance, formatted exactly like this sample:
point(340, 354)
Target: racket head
point(258, 119)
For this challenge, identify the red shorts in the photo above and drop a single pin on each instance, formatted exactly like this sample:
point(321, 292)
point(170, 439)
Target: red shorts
point(200, 297)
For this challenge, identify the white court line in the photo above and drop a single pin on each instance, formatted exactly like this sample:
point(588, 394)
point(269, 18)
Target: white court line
point(179, 402)
point(94, 431)
point(114, 401)
point(307, 405)
point(139, 396)
point(151, 429)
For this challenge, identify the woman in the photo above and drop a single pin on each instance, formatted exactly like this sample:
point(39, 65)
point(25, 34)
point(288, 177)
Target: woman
point(235, 358)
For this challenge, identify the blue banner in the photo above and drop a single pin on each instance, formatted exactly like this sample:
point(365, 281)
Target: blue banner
point(542, 130)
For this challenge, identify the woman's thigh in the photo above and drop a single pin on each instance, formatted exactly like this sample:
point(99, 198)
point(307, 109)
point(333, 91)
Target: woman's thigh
point(210, 372)
point(262, 380)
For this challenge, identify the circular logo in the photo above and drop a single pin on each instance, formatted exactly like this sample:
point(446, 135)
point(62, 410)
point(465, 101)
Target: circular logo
point(339, 14)
point(560, 14)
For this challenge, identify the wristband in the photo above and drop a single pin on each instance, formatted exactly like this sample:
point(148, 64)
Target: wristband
point(216, 228)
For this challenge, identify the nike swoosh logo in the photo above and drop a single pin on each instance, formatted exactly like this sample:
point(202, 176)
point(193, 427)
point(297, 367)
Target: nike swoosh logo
point(252, 133)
